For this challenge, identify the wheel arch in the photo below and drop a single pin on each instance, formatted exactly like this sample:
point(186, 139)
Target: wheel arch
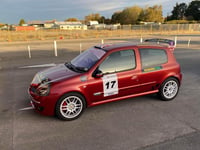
point(171, 76)
point(161, 87)
point(175, 77)
point(77, 92)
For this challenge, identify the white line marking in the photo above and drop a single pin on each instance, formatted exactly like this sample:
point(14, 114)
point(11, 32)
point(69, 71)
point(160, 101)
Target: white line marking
point(27, 108)
point(38, 66)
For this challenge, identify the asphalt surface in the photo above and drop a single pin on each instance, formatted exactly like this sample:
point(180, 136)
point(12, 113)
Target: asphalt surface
point(143, 123)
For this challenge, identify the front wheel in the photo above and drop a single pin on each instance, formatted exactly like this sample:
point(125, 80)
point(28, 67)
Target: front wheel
point(169, 89)
point(70, 106)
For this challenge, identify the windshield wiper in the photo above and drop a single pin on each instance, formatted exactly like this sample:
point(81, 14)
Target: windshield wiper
point(75, 68)
point(82, 69)
point(70, 66)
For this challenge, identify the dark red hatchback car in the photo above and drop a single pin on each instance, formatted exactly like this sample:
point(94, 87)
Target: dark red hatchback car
point(104, 74)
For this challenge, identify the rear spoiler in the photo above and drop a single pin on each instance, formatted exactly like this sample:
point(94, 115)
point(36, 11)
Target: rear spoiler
point(158, 41)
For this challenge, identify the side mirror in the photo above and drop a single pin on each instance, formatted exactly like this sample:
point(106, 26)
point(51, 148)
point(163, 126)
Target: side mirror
point(97, 73)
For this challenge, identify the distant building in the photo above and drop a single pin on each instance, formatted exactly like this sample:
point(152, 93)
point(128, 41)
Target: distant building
point(149, 23)
point(23, 28)
point(4, 27)
point(70, 26)
point(53, 24)
point(37, 24)
point(113, 26)
point(105, 26)
point(90, 23)
point(49, 24)
point(98, 26)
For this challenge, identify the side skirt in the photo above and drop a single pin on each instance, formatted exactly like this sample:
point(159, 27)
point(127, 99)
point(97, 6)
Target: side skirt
point(123, 97)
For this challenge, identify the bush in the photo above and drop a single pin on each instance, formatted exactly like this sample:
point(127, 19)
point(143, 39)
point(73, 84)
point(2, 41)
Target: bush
point(181, 22)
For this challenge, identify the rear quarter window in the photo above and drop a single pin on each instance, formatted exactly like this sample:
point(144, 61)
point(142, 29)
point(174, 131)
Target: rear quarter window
point(152, 57)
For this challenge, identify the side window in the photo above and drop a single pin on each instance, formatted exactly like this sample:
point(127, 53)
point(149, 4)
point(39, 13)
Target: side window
point(152, 57)
point(118, 61)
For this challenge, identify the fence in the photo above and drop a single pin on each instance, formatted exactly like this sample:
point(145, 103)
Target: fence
point(163, 27)
point(122, 31)
point(57, 50)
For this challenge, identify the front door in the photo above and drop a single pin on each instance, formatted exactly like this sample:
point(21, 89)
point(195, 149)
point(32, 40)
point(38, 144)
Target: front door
point(119, 77)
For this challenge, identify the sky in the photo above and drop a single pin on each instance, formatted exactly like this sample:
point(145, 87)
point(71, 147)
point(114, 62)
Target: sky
point(11, 11)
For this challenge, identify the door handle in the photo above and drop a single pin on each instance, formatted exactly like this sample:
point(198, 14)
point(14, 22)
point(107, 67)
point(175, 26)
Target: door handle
point(135, 77)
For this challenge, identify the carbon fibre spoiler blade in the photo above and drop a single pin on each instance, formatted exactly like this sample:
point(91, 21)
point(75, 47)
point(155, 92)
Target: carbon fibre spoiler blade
point(158, 41)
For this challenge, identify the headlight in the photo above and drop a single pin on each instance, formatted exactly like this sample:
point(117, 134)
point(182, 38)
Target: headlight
point(40, 85)
point(43, 89)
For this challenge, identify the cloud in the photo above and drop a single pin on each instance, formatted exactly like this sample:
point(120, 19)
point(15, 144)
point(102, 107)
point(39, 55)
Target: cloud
point(101, 5)
point(13, 10)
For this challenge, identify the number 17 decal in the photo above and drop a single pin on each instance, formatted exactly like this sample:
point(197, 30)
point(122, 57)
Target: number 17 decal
point(110, 85)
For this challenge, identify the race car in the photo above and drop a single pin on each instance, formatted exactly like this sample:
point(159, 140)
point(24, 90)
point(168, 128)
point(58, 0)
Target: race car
point(105, 73)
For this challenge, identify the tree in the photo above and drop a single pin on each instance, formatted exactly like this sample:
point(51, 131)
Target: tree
point(93, 17)
point(21, 22)
point(116, 17)
point(151, 14)
point(72, 20)
point(130, 15)
point(104, 20)
point(193, 10)
point(133, 15)
point(97, 17)
point(1, 25)
point(178, 13)
point(107, 21)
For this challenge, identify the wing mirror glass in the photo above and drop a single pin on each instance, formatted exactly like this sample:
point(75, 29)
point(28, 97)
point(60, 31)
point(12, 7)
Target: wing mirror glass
point(97, 73)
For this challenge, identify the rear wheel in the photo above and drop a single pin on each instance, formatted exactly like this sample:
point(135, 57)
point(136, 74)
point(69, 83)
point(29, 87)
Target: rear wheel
point(70, 106)
point(169, 89)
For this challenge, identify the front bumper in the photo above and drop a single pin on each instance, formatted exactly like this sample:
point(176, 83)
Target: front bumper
point(44, 105)
point(36, 105)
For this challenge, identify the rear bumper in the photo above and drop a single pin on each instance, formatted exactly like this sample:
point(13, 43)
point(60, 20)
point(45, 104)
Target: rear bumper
point(180, 78)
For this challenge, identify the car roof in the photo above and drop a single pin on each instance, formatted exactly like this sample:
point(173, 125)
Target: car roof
point(108, 47)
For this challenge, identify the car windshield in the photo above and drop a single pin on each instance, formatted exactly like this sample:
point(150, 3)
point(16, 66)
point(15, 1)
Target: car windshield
point(87, 59)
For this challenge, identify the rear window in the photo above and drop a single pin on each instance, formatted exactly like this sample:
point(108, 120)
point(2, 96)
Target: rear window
point(152, 57)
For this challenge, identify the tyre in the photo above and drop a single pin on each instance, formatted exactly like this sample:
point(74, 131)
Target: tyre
point(70, 106)
point(169, 89)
